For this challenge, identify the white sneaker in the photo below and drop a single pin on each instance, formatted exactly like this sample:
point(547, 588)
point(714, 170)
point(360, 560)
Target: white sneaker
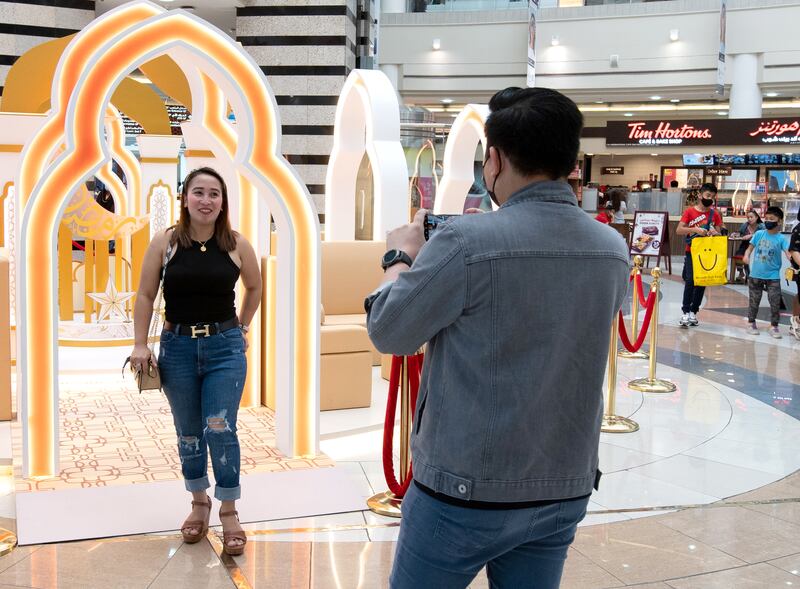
point(684, 320)
point(794, 327)
point(752, 329)
point(775, 332)
point(693, 320)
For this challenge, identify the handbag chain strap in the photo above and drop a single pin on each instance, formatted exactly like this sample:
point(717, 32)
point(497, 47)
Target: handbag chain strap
point(158, 312)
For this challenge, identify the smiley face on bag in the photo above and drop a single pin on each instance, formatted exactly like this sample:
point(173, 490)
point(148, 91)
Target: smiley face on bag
point(707, 252)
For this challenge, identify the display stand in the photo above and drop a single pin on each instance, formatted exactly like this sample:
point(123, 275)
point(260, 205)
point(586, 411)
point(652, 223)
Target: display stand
point(650, 237)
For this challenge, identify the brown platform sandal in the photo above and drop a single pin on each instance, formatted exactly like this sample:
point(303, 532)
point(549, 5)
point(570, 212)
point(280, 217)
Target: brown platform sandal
point(232, 550)
point(201, 525)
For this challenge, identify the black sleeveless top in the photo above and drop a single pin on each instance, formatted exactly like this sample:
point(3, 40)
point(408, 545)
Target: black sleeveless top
point(198, 286)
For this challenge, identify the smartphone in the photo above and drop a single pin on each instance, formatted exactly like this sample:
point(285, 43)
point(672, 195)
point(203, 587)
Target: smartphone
point(432, 222)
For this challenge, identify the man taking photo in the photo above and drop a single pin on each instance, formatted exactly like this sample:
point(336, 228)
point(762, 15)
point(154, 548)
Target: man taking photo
point(516, 306)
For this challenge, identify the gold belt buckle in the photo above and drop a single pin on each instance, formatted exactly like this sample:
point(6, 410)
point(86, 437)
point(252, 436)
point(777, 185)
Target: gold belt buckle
point(205, 330)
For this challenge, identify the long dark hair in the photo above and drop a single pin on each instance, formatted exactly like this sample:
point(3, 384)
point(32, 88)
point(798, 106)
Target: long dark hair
point(616, 196)
point(225, 236)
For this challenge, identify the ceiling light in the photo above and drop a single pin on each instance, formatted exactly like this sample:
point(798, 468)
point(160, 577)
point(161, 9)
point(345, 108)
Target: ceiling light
point(599, 102)
point(654, 154)
point(674, 35)
point(628, 114)
point(554, 40)
point(437, 44)
point(722, 113)
point(655, 98)
point(675, 100)
point(590, 154)
point(167, 0)
point(771, 94)
point(447, 100)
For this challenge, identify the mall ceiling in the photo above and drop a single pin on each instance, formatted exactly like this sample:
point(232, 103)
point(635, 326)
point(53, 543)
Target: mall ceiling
point(644, 103)
point(221, 13)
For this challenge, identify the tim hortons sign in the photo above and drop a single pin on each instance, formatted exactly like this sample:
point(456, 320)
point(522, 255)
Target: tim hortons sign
point(776, 132)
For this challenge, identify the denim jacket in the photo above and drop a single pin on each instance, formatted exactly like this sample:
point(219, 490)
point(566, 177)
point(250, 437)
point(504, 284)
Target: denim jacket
point(516, 306)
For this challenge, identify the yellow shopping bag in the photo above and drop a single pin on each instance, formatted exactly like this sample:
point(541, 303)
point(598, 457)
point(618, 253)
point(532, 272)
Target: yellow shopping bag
point(710, 260)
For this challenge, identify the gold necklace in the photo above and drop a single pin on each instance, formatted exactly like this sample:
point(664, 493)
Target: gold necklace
point(203, 244)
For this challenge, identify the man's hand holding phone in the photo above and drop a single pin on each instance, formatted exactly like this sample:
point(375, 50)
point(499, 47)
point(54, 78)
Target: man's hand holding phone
point(408, 238)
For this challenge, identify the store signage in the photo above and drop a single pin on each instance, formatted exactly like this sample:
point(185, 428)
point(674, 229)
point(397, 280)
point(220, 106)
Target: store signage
point(778, 132)
point(719, 170)
point(613, 170)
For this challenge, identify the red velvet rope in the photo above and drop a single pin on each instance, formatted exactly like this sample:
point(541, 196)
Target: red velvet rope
point(414, 371)
point(642, 301)
point(623, 333)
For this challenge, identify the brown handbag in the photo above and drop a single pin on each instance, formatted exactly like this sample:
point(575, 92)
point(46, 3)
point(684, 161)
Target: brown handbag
point(150, 379)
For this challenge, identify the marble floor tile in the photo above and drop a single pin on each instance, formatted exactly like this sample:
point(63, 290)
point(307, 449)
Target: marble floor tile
point(643, 551)
point(128, 563)
point(705, 476)
point(755, 576)
point(745, 534)
point(276, 564)
point(790, 564)
point(771, 458)
point(193, 566)
point(339, 565)
point(310, 529)
point(582, 573)
point(382, 534)
point(627, 489)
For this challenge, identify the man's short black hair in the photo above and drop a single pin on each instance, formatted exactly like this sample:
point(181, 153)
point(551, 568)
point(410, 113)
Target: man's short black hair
point(777, 211)
point(538, 129)
point(709, 187)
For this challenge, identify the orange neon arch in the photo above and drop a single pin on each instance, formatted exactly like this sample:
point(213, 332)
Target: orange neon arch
point(105, 60)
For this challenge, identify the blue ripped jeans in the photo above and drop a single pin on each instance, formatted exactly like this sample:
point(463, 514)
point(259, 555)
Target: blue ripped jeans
point(203, 379)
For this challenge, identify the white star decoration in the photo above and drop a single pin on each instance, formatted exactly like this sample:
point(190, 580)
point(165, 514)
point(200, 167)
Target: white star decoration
point(112, 302)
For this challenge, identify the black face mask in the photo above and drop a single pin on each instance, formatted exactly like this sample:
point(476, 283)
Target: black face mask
point(491, 192)
point(707, 202)
point(770, 224)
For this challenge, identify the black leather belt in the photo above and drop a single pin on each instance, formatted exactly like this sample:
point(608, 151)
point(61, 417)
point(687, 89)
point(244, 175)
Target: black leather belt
point(202, 329)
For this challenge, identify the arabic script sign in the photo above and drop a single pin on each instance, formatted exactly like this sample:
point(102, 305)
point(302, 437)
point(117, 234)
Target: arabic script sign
point(776, 132)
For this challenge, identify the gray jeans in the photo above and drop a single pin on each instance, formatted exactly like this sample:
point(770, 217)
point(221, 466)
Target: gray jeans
point(773, 287)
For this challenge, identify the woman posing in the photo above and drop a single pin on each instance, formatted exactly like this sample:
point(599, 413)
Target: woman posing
point(201, 356)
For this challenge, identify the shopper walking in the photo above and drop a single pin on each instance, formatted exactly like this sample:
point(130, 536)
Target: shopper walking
point(794, 253)
point(746, 232)
point(701, 219)
point(764, 256)
point(201, 356)
point(507, 424)
point(606, 214)
point(618, 198)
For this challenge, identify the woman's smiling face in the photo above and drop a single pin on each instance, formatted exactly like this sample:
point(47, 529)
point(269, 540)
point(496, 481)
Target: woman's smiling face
point(204, 199)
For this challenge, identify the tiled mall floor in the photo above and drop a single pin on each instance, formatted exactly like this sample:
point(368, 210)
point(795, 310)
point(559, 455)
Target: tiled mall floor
point(705, 495)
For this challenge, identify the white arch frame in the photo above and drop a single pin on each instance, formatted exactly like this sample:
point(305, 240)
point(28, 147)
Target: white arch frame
point(367, 120)
point(466, 134)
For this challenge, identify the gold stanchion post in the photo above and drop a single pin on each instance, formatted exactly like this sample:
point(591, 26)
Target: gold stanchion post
point(386, 503)
point(612, 423)
point(637, 270)
point(651, 384)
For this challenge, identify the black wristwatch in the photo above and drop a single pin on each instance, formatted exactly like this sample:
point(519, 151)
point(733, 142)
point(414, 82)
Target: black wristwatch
point(393, 257)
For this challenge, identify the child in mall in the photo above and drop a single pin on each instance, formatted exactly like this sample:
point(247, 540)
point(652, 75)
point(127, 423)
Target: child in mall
point(606, 214)
point(764, 257)
point(702, 219)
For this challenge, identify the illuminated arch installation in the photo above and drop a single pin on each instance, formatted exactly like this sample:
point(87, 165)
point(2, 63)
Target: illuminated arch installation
point(92, 66)
point(367, 120)
point(459, 154)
